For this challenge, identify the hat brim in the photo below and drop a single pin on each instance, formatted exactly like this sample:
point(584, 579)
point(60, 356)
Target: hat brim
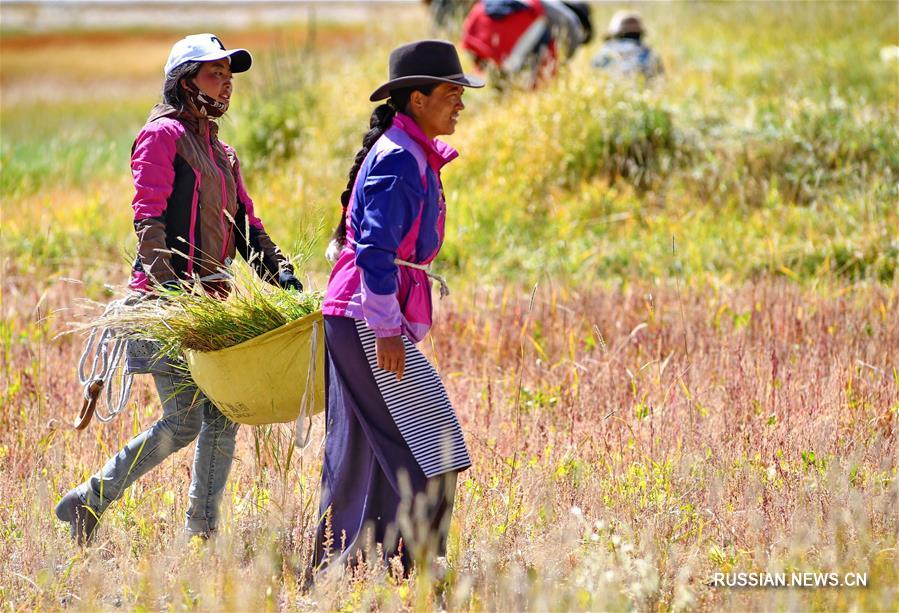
point(241, 60)
point(384, 91)
point(610, 35)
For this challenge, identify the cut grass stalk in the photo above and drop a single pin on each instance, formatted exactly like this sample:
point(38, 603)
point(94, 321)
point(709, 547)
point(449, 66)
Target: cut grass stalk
point(200, 321)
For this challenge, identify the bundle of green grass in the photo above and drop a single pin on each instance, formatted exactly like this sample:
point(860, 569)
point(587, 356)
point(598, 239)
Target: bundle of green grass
point(192, 319)
point(237, 348)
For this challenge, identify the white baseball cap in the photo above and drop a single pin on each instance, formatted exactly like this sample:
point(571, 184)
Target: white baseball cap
point(206, 48)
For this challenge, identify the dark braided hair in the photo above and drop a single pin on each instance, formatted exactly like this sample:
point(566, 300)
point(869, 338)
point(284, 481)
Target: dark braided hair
point(172, 92)
point(381, 120)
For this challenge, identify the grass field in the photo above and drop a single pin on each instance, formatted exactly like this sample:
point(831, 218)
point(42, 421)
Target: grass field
point(706, 380)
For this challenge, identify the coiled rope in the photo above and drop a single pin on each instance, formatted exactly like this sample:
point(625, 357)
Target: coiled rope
point(105, 349)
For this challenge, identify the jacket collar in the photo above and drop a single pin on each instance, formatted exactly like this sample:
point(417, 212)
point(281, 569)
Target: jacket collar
point(198, 125)
point(439, 154)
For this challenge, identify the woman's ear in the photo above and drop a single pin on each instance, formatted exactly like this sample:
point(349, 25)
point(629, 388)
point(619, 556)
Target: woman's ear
point(416, 100)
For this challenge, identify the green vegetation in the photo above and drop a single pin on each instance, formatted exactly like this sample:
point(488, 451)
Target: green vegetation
point(47, 147)
point(772, 149)
point(274, 121)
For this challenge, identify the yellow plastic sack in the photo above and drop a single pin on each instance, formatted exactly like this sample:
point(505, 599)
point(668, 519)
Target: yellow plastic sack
point(267, 379)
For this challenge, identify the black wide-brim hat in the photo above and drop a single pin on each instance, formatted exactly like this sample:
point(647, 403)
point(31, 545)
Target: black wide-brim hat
point(424, 62)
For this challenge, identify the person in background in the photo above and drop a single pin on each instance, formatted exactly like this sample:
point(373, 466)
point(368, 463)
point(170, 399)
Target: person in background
point(393, 445)
point(192, 215)
point(571, 25)
point(523, 40)
point(624, 52)
point(448, 14)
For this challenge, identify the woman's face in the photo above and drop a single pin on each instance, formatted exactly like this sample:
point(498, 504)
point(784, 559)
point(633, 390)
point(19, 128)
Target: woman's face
point(214, 80)
point(438, 113)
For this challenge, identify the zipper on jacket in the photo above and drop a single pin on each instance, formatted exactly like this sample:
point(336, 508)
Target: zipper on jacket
point(226, 235)
point(194, 207)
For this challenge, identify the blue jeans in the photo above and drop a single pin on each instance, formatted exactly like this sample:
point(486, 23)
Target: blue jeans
point(186, 413)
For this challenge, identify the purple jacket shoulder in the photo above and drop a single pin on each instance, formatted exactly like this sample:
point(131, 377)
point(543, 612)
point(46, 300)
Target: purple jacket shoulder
point(396, 212)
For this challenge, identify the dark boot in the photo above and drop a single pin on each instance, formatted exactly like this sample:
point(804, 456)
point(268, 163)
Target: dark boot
point(81, 518)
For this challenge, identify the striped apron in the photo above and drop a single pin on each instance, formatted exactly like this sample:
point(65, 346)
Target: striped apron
point(420, 408)
point(387, 442)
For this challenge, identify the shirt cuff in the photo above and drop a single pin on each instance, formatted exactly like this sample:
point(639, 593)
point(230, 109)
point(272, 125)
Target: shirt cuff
point(386, 332)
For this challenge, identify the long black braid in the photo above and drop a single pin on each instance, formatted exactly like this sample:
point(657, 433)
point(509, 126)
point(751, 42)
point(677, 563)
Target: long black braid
point(381, 120)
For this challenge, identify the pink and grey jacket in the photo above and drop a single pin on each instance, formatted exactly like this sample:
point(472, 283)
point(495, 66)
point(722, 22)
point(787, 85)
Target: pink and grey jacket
point(396, 211)
point(191, 210)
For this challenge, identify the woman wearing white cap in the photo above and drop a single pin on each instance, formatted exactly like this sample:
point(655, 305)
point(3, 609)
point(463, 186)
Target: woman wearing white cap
point(192, 215)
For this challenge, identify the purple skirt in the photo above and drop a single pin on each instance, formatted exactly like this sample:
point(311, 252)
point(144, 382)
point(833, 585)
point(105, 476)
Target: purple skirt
point(392, 453)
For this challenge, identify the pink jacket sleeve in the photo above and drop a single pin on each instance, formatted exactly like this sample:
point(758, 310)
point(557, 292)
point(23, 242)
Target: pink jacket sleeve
point(153, 172)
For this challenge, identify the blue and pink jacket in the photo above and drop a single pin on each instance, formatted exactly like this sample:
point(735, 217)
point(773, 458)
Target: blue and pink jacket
point(396, 211)
point(192, 212)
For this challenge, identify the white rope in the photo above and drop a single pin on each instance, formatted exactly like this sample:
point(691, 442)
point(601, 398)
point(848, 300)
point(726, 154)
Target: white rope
point(307, 404)
point(107, 352)
point(444, 288)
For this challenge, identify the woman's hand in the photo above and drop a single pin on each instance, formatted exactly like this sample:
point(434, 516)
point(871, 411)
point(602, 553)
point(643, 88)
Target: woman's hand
point(391, 354)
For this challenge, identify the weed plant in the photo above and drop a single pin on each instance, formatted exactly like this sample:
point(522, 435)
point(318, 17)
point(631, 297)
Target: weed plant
point(278, 109)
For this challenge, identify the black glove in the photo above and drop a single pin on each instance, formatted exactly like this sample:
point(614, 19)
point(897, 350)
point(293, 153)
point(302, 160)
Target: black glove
point(287, 280)
point(168, 288)
point(172, 286)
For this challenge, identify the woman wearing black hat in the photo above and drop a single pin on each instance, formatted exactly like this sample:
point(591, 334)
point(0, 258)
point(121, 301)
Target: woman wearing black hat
point(394, 445)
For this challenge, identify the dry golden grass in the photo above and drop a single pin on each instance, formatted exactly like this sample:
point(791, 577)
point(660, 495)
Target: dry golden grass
point(657, 437)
